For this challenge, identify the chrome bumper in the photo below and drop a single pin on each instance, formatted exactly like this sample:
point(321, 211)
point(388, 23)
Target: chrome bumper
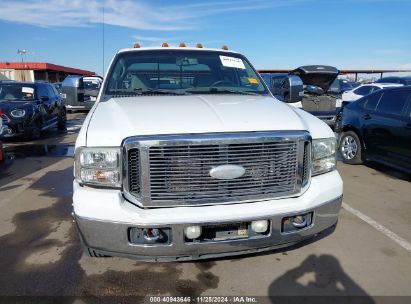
point(111, 238)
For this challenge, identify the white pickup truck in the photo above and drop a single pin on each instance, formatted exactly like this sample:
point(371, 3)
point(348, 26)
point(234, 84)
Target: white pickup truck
point(187, 155)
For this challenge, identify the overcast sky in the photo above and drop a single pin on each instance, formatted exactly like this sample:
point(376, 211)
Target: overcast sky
point(347, 34)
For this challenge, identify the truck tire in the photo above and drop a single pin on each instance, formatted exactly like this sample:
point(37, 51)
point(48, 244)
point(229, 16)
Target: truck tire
point(351, 148)
point(90, 252)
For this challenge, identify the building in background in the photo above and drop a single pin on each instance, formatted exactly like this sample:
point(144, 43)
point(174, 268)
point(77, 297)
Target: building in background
point(32, 71)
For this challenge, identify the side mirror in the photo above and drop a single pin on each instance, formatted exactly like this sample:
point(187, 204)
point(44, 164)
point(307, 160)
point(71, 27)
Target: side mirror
point(293, 90)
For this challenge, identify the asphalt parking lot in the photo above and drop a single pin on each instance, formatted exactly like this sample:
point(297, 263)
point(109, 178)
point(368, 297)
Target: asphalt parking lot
point(368, 255)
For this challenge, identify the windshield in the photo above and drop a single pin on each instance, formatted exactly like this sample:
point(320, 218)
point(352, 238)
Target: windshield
point(16, 92)
point(183, 72)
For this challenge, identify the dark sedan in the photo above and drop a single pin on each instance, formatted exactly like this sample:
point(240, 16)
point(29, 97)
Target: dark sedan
point(405, 80)
point(27, 108)
point(378, 127)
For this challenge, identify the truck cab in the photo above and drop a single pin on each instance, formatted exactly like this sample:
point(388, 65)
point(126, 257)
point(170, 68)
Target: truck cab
point(187, 155)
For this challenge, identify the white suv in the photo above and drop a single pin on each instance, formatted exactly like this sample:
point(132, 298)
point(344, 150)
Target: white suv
point(187, 155)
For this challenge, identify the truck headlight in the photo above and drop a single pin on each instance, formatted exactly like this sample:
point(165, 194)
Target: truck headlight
point(323, 155)
point(98, 166)
point(18, 113)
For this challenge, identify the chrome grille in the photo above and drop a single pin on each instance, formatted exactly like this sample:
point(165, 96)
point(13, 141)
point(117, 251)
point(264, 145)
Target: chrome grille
point(175, 170)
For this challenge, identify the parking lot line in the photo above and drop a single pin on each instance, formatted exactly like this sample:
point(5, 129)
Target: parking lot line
point(384, 230)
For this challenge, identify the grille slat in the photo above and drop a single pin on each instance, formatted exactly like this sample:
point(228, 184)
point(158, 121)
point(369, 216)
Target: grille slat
point(134, 171)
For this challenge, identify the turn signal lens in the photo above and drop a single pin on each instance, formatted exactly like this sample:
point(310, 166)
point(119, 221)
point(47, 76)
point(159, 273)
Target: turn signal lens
point(97, 176)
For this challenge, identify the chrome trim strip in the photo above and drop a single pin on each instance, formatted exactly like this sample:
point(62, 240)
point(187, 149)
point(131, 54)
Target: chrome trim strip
point(143, 143)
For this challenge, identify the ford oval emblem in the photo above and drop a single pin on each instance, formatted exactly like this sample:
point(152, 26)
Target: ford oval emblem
point(227, 172)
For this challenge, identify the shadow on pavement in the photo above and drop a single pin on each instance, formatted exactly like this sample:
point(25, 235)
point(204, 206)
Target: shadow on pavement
point(316, 277)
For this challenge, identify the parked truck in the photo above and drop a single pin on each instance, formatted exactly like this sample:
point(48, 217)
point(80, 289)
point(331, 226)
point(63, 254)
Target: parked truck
point(203, 165)
point(322, 90)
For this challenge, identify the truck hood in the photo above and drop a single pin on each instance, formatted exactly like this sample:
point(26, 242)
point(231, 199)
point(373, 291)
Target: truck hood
point(317, 75)
point(118, 118)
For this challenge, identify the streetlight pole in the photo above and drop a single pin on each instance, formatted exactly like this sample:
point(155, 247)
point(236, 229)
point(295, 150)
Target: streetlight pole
point(22, 53)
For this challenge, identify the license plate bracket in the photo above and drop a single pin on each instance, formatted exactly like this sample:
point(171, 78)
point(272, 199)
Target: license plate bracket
point(225, 232)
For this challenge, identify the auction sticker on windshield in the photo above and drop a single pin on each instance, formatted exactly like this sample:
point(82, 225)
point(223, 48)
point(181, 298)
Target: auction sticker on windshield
point(232, 62)
point(27, 90)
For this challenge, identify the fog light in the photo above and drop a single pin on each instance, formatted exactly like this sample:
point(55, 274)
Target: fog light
point(192, 232)
point(151, 234)
point(299, 221)
point(259, 226)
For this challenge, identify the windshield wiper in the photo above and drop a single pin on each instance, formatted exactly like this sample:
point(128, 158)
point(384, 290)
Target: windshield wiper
point(222, 90)
point(148, 91)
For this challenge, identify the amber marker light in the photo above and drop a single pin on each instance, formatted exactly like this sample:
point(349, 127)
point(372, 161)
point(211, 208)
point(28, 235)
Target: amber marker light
point(165, 44)
point(199, 45)
point(136, 45)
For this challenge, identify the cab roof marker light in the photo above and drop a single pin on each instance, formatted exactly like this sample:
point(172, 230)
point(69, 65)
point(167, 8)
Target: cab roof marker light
point(225, 47)
point(136, 45)
point(165, 44)
point(199, 45)
point(182, 44)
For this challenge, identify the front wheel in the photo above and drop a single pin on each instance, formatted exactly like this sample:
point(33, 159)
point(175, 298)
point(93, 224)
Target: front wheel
point(351, 148)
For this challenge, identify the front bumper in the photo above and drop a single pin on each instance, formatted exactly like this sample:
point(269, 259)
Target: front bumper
point(106, 230)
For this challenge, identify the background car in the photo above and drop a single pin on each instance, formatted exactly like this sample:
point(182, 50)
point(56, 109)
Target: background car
point(28, 108)
point(1, 145)
point(2, 155)
point(57, 85)
point(406, 80)
point(364, 90)
point(274, 82)
point(378, 127)
point(340, 86)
